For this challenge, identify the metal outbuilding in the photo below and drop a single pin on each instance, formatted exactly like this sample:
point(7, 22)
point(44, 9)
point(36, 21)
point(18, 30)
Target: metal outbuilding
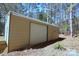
point(22, 32)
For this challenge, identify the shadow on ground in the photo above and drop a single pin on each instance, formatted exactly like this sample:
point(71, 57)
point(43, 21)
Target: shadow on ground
point(42, 45)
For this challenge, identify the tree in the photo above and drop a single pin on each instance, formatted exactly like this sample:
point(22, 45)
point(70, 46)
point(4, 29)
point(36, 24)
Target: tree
point(1, 28)
point(42, 17)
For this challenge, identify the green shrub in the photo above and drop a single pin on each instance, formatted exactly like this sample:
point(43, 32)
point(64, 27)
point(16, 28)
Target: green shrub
point(42, 17)
point(59, 46)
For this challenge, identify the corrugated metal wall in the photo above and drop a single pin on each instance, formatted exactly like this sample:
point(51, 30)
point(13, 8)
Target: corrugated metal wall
point(53, 33)
point(19, 33)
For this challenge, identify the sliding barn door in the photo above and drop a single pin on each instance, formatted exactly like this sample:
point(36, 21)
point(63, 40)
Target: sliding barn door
point(38, 33)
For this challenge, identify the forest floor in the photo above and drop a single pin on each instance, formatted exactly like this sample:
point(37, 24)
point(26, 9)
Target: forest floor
point(70, 45)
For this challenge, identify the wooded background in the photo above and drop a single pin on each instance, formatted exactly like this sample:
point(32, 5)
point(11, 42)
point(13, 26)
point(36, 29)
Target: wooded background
point(57, 13)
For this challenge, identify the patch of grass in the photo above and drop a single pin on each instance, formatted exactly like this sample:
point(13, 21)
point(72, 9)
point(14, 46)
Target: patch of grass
point(59, 46)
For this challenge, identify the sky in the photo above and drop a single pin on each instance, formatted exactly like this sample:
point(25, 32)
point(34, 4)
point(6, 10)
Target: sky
point(42, 7)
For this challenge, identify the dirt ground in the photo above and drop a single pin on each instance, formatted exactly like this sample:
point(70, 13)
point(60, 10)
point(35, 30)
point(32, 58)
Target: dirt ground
point(71, 45)
point(2, 44)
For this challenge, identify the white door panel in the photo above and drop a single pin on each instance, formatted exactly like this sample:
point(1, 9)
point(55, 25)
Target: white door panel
point(38, 33)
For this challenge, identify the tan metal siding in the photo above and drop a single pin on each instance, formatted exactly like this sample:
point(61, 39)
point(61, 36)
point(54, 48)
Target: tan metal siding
point(19, 33)
point(53, 33)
